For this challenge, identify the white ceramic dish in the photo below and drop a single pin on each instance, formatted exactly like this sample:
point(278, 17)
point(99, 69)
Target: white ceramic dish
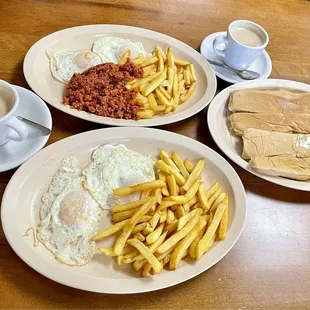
point(261, 65)
point(231, 145)
point(21, 201)
point(13, 153)
point(39, 78)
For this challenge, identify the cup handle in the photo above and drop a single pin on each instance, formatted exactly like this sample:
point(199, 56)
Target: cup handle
point(216, 42)
point(20, 130)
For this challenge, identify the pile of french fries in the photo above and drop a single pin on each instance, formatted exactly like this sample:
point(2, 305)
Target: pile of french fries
point(176, 217)
point(166, 82)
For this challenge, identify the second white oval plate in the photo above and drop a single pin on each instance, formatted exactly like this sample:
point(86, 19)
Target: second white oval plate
point(230, 144)
point(21, 202)
point(39, 78)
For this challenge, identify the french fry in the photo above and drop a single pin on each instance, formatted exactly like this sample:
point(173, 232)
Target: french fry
point(184, 244)
point(152, 224)
point(123, 59)
point(129, 206)
point(126, 259)
point(163, 216)
point(140, 55)
point(175, 238)
point(172, 185)
point(160, 64)
point(189, 93)
point(167, 110)
point(188, 196)
point(170, 58)
point(162, 53)
point(187, 77)
point(139, 61)
point(158, 195)
point(188, 165)
point(190, 203)
point(214, 187)
point(177, 160)
point(203, 198)
point(141, 99)
point(146, 269)
point(195, 174)
point(192, 70)
point(160, 164)
point(139, 227)
point(132, 82)
point(165, 204)
point(224, 221)
point(147, 79)
point(161, 108)
point(152, 101)
point(121, 216)
point(206, 239)
point(170, 72)
point(164, 92)
point(214, 196)
point(124, 191)
point(148, 62)
point(154, 235)
point(184, 219)
point(193, 246)
point(145, 114)
point(130, 225)
point(179, 213)
point(181, 62)
point(166, 158)
point(218, 200)
point(148, 255)
point(172, 227)
point(162, 99)
point(164, 83)
point(164, 189)
point(146, 193)
point(110, 230)
point(139, 236)
point(175, 87)
point(170, 217)
point(154, 84)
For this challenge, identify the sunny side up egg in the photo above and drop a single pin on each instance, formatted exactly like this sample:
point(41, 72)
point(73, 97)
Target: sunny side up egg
point(111, 49)
point(115, 166)
point(69, 216)
point(64, 64)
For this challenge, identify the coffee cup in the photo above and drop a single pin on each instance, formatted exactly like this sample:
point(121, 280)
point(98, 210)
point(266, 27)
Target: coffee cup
point(10, 127)
point(243, 43)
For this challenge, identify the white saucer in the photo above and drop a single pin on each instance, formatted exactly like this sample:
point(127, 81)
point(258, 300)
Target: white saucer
point(13, 154)
point(262, 64)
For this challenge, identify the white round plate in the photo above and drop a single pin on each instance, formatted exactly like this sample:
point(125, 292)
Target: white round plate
point(13, 153)
point(39, 78)
point(230, 144)
point(261, 65)
point(22, 196)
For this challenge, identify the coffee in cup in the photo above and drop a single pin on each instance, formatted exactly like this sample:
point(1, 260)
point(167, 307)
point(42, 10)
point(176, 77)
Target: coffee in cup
point(11, 128)
point(243, 43)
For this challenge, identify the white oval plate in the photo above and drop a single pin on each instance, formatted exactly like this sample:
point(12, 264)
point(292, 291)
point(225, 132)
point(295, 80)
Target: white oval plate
point(230, 144)
point(21, 201)
point(39, 78)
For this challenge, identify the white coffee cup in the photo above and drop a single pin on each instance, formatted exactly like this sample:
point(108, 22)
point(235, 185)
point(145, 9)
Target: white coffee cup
point(244, 42)
point(10, 127)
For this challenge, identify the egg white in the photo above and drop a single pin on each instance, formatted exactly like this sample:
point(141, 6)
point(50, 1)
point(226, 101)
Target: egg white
point(115, 166)
point(111, 49)
point(64, 64)
point(69, 216)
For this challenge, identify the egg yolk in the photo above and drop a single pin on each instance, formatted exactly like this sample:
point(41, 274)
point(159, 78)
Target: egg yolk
point(85, 60)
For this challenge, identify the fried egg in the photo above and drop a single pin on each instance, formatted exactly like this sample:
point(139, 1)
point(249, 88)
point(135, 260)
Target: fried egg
point(64, 64)
point(111, 49)
point(69, 216)
point(115, 166)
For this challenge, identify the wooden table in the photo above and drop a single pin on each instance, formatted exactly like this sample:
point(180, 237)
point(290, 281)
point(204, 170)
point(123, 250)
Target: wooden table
point(269, 267)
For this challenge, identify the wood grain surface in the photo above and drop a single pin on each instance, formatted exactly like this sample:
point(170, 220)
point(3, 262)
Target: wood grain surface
point(269, 267)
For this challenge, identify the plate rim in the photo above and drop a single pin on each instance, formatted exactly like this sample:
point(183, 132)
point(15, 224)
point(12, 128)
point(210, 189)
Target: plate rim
point(44, 141)
point(35, 261)
point(160, 121)
point(213, 109)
